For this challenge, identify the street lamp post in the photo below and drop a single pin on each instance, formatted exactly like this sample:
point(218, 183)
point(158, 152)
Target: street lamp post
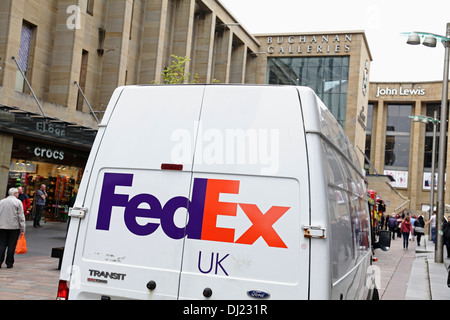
point(430, 41)
point(435, 122)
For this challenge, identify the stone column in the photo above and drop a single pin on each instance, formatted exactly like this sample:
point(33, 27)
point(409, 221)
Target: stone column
point(114, 64)
point(250, 69)
point(6, 142)
point(238, 63)
point(222, 54)
point(5, 39)
point(11, 18)
point(380, 137)
point(204, 46)
point(154, 38)
point(183, 28)
point(415, 180)
point(66, 58)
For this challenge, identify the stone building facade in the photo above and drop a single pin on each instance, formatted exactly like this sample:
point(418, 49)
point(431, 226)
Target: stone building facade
point(70, 48)
point(335, 64)
point(398, 146)
point(98, 45)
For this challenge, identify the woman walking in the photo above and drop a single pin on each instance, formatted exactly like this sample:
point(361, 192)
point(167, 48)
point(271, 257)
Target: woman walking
point(406, 229)
point(419, 225)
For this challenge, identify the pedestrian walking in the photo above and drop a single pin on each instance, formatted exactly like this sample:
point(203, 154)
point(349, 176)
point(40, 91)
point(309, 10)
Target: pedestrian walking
point(393, 225)
point(412, 234)
point(41, 197)
point(12, 224)
point(446, 232)
point(25, 198)
point(419, 230)
point(399, 224)
point(432, 221)
point(406, 229)
point(381, 207)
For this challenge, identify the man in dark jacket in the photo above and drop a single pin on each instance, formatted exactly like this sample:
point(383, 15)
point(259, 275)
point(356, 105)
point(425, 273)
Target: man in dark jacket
point(393, 225)
point(446, 229)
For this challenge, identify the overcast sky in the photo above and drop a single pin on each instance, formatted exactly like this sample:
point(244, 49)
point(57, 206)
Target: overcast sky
point(382, 21)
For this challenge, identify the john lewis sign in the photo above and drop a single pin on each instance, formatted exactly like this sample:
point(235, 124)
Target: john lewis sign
point(387, 91)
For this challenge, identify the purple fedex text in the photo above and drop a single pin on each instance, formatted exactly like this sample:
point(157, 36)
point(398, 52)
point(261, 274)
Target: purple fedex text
point(203, 210)
point(165, 214)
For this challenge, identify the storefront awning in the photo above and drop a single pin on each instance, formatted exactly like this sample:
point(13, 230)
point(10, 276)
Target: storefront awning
point(13, 120)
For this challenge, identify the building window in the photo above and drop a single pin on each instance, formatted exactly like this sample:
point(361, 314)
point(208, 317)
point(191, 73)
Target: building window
point(25, 52)
point(90, 7)
point(327, 76)
point(431, 107)
point(398, 131)
point(368, 147)
point(82, 82)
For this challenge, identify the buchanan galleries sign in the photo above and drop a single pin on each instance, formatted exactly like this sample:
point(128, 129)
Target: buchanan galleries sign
point(339, 43)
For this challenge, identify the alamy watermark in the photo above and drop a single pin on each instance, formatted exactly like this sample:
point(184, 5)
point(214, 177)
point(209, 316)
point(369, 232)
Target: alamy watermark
point(74, 19)
point(373, 279)
point(256, 147)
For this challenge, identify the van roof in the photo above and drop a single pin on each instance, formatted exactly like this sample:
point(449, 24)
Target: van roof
point(320, 120)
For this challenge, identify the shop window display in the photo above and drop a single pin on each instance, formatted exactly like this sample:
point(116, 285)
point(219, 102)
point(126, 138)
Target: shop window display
point(60, 169)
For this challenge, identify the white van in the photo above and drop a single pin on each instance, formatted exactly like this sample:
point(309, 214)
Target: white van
point(219, 192)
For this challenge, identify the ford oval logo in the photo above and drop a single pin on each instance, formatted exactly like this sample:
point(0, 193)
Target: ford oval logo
point(258, 294)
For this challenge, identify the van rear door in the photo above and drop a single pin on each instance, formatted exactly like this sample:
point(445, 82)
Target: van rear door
point(250, 165)
point(125, 241)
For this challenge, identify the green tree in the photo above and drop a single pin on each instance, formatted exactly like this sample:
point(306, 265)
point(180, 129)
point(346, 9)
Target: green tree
point(176, 72)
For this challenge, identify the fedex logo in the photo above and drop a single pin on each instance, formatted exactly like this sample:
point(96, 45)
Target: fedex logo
point(203, 210)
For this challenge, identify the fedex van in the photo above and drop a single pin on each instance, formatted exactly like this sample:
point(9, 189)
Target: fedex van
point(219, 192)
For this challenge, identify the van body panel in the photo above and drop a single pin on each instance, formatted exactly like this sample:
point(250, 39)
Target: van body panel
point(141, 133)
point(131, 151)
point(137, 220)
point(260, 128)
point(252, 136)
point(73, 229)
point(232, 250)
point(342, 209)
point(320, 257)
point(259, 165)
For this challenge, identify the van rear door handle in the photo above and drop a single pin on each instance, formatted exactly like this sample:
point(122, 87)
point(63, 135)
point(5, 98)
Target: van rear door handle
point(316, 232)
point(76, 212)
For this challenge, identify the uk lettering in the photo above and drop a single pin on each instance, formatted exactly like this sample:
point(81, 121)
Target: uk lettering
point(203, 210)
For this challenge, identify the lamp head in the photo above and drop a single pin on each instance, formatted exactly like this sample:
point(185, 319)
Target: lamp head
point(413, 39)
point(429, 42)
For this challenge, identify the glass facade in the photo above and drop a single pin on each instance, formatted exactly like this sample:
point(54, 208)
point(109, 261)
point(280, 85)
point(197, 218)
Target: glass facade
point(431, 107)
point(368, 147)
point(327, 76)
point(398, 131)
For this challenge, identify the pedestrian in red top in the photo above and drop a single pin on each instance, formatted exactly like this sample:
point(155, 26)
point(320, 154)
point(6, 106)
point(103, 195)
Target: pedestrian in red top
point(406, 230)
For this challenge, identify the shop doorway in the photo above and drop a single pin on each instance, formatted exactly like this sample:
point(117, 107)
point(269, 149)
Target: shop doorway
point(60, 169)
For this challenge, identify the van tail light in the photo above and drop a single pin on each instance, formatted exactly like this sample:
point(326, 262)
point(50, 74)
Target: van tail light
point(170, 166)
point(63, 290)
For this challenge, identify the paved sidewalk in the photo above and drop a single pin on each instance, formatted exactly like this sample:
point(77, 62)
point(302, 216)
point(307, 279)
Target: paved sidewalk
point(428, 276)
point(412, 274)
point(404, 274)
point(35, 275)
point(395, 267)
point(32, 278)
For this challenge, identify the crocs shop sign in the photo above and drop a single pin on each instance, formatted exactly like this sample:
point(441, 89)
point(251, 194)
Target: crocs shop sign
point(48, 153)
